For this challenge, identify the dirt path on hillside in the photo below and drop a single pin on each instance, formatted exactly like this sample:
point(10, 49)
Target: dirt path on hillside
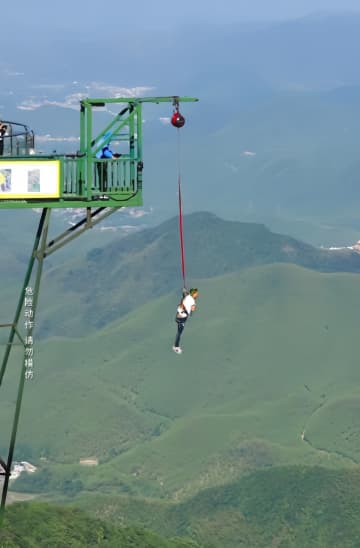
point(320, 450)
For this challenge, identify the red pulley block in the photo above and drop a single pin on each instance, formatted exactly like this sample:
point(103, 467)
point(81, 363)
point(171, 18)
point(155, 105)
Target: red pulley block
point(177, 119)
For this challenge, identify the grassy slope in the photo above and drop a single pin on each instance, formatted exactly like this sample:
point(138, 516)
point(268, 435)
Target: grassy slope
point(84, 289)
point(88, 294)
point(247, 386)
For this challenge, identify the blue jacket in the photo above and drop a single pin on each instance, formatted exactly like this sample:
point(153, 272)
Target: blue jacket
point(105, 152)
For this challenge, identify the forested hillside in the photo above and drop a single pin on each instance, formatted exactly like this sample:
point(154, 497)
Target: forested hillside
point(35, 525)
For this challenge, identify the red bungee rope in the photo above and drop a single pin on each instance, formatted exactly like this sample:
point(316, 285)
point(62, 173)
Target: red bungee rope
point(181, 232)
point(178, 121)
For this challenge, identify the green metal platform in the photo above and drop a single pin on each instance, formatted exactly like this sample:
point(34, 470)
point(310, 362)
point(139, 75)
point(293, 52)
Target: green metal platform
point(82, 179)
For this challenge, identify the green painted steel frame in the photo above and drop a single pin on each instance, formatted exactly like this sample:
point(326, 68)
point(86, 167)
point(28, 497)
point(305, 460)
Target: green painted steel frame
point(42, 248)
point(81, 183)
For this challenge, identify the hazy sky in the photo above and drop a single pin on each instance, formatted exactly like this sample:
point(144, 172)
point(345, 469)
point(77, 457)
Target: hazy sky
point(160, 13)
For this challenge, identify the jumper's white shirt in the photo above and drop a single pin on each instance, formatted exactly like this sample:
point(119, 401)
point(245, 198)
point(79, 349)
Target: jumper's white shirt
point(188, 302)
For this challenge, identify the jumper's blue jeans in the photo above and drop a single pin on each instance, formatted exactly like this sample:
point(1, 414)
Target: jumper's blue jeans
point(180, 329)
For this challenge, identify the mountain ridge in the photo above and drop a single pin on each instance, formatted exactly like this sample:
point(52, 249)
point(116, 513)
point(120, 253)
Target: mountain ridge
point(130, 271)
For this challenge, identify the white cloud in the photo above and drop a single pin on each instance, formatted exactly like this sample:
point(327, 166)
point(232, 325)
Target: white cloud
point(119, 91)
point(137, 213)
point(49, 138)
point(56, 87)
point(70, 101)
point(93, 89)
point(232, 167)
point(14, 73)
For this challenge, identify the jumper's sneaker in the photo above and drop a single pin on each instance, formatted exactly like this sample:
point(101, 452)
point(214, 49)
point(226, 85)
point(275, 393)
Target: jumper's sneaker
point(177, 349)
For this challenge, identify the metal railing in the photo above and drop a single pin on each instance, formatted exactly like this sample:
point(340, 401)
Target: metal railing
point(110, 176)
point(16, 139)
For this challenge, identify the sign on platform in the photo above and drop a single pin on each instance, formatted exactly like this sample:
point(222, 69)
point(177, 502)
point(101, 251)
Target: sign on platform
point(29, 179)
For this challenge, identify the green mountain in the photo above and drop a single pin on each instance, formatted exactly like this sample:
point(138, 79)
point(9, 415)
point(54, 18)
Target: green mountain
point(267, 359)
point(210, 443)
point(292, 507)
point(39, 525)
point(267, 382)
point(108, 282)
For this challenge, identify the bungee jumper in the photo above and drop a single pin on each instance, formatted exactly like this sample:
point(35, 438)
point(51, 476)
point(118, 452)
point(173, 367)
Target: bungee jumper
point(183, 312)
point(188, 303)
